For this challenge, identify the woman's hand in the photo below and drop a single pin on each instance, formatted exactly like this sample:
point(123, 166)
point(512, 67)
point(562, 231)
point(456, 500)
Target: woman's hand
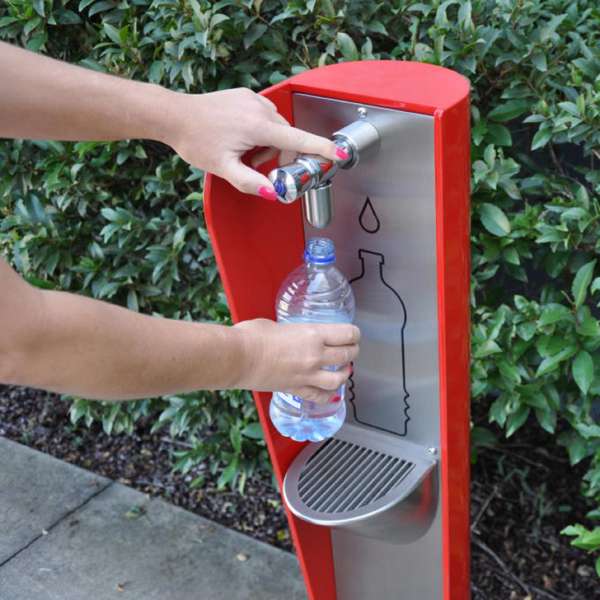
point(212, 131)
point(289, 357)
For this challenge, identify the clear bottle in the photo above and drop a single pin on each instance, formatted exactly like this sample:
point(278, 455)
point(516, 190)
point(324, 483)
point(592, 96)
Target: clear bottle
point(315, 292)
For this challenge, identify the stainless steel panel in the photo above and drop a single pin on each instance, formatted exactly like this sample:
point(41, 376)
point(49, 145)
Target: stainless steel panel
point(367, 569)
point(384, 231)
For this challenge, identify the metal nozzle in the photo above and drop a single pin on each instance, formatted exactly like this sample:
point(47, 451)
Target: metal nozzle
point(318, 206)
point(310, 175)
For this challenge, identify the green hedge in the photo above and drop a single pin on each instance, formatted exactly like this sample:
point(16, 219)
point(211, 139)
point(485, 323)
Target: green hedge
point(122, 221)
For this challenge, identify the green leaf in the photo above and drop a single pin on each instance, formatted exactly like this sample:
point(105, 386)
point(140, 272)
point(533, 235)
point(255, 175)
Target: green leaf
point(553, 313)
point(481, 436)
point(77, 411)
point(486, 348)
point(576, 447)
point(68, 17)
point(347, 46)
point(112, 32)
point(598, 566)
point(539, 61)
point(253, 431)
point(197, 482)
point(132, 301)
point(517, 419)
point(108, 420)
point(546, 419)
point(583, 371)
point(511, 255)
point(254, 33)
point(551, 26)
point(581, 282)
point(593, 514)
point(509, 110)
point(542, 137)
point(494, 219)
point(498, 412)
point(4, 21)
point(228, 474)
point(31, 25)
point(135, 512)
point(40, 283)
point(217, 19)
point(499, 135)
point(588, 540)
point(39, 7)
point(509, 371)
point(235, 437)
point(573, 530)
point(588, 431)
point(551, 363)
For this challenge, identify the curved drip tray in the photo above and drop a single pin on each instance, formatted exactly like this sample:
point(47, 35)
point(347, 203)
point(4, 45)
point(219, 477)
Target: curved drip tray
point(356, 478)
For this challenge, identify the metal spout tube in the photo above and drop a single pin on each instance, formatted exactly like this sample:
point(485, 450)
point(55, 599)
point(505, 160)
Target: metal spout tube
point(318, 207)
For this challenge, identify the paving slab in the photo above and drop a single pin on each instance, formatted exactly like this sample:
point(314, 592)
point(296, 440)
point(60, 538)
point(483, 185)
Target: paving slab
point(123, 545)
point(36, 491)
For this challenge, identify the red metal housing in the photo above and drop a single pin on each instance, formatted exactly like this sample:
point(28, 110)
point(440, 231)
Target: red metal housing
point(257, 243)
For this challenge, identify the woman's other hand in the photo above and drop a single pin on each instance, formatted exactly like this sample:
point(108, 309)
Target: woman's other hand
point(290, 357)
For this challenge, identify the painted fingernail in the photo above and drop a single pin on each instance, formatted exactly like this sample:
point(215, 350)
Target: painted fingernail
point(341, 153)
point(335, 398)
point(267, 193)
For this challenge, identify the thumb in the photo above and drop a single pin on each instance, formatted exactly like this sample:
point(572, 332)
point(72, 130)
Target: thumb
point(248, 181)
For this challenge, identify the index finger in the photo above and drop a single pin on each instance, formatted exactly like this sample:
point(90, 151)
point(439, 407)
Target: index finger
point(341, 334)
point(286, 137)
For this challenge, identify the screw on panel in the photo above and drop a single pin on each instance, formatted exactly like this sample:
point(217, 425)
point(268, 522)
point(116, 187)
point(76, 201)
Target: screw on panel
point(433, 451)
point(362, 112)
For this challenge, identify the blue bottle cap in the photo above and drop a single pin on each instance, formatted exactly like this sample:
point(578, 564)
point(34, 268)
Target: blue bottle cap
point(320, 251)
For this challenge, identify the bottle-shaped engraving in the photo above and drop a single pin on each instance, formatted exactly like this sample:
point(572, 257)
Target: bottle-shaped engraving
point(377, 391)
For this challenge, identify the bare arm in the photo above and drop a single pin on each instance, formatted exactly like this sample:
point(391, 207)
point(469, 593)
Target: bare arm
point(43, 98)
point(47, 99)
point(71, 344)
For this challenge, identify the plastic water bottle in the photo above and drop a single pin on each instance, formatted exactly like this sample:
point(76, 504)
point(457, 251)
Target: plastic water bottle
point(315, 292)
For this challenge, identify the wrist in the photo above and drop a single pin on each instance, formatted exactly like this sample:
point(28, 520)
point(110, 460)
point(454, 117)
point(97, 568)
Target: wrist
point(176, 110)
point(158, 113)
point(243, 342)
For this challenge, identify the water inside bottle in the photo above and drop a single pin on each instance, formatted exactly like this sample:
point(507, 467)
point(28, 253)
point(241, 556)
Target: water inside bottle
point(315, 292)
point(304, 420)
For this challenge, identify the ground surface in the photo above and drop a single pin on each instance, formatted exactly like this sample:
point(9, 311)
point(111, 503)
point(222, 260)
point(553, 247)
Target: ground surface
point(523, 493)
point(69, 534)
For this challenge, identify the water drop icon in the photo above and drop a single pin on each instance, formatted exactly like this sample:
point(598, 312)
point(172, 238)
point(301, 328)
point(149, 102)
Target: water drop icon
point(368, 218)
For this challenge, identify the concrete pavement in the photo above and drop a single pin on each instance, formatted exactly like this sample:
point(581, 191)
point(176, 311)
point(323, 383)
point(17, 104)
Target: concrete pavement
point(68, 534)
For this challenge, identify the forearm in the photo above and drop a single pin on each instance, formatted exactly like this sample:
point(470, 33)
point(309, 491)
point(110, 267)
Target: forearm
point(97, 350)
point(42, 98)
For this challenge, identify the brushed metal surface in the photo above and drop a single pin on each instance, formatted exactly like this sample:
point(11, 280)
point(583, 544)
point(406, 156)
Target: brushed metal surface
point(385, 207)
point(318, 208)
point(376, 484)
point(384, 232)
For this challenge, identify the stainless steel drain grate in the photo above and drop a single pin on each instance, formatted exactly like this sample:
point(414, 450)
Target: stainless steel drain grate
point(359, 475)
point(344, 476)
